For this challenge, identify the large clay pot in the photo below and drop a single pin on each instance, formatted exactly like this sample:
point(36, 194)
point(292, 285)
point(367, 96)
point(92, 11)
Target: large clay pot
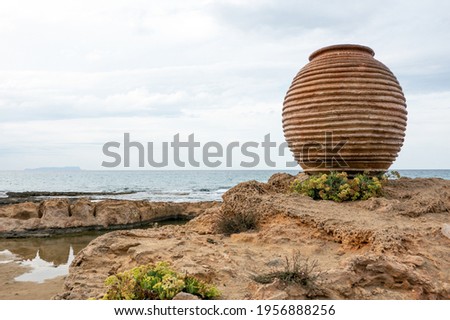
point(345, 111)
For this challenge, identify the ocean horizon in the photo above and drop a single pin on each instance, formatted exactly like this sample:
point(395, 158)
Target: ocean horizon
point(153, 185)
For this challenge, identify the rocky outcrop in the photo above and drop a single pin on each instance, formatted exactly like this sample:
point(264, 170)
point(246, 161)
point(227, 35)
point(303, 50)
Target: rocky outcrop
point(114, 213)
point(55, 213)
point(64, 216)
point(24, 211)
point(82, 213)
point(363, 250)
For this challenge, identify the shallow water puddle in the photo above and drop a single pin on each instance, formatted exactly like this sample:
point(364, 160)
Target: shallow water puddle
point(50, 257)
point(42, 270)
point(6, 257)
point(43, 258)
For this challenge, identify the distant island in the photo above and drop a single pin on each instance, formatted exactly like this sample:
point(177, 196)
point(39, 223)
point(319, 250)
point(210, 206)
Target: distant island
point(54, 169)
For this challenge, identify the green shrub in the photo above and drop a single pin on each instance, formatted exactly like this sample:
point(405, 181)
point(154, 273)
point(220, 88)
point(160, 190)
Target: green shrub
point(153, 282)
point(339, 187)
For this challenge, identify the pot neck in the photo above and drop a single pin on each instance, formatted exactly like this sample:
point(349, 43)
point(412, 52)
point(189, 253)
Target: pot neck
point(342, 48)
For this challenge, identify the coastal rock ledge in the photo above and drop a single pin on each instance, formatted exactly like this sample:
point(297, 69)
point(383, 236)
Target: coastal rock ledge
point(383, 248)
point(62, 215)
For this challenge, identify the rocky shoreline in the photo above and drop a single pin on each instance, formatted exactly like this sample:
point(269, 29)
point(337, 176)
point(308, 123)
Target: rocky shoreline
point(392, 247)
point(38, 196)
point(382, 248)
point(62, 215)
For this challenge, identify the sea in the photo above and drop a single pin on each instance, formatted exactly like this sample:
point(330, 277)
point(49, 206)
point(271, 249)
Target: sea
point(176, 185)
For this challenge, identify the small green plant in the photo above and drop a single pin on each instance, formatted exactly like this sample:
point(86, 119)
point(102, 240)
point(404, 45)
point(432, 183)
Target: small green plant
point(235, 222)
point(297, 271)
point(337, 186)
point(154, 282)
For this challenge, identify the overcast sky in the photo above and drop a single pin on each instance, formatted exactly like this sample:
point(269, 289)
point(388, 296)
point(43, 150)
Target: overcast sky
point(76, 74)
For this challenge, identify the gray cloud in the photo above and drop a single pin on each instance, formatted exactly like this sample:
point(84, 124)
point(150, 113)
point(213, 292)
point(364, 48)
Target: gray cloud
point(289, 18)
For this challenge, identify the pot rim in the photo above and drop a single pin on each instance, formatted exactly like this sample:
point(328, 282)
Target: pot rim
point(341, 47)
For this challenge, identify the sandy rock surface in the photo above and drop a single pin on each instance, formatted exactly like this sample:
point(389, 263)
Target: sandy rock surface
point(384, 248)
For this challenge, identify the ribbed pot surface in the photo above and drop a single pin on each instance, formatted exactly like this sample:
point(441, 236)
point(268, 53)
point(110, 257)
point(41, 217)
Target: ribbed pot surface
point(344, 111)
